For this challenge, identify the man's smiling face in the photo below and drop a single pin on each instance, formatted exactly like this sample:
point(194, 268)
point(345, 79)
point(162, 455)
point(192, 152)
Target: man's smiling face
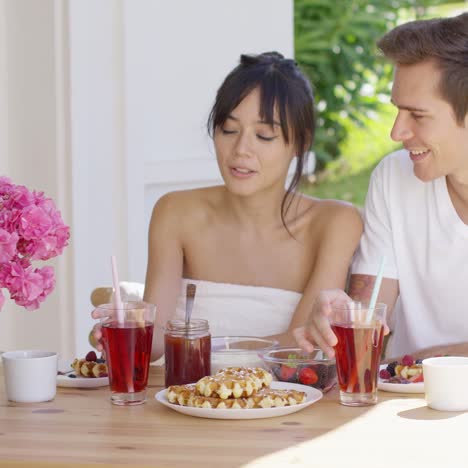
point(426, 124)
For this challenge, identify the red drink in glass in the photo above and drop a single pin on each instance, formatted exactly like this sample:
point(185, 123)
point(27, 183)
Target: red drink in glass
point(358, 357)
point(359, 331)
point(127, 335)
point(131, 342)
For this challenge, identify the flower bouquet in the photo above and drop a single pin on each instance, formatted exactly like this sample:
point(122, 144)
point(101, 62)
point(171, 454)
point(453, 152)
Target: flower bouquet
point(31, 228)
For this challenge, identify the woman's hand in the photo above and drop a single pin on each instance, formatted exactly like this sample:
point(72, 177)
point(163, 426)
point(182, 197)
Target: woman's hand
point(317, 329)
point(95, 335)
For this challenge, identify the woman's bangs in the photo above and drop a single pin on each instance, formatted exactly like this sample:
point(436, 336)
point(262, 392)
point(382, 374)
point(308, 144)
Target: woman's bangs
point(272, 97)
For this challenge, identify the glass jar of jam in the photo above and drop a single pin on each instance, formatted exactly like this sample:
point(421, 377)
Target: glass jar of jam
point(187, 351)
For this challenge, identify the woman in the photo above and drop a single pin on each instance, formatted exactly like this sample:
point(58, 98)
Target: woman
point(258, 253)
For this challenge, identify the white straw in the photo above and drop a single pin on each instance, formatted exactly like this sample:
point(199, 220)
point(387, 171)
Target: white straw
point(376, 289)
point(117, 299)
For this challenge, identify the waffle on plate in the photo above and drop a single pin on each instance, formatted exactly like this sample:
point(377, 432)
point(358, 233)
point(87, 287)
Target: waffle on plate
point(234, 388)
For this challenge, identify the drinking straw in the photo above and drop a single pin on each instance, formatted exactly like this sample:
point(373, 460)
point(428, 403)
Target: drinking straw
point(375, 291)
point(117, 299)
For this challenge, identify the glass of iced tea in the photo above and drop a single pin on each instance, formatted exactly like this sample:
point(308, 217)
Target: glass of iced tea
point(360, 332)
point(187, 351)
point(127, 336)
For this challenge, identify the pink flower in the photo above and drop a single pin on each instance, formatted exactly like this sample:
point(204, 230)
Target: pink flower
point(29, 287)
point(31, 228)
point(7, 245)
point(34, 223)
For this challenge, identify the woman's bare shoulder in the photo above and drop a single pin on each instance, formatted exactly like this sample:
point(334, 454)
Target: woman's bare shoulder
point(325, 215)
point(187, 205)
point(328, 208)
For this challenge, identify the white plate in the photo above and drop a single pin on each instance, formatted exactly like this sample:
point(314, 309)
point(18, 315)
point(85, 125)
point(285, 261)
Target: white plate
point(313, 395)
point(399, 388)
point(78, 381)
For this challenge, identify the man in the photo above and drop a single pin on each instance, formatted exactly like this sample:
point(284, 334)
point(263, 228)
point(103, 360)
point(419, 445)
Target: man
point(416, 211)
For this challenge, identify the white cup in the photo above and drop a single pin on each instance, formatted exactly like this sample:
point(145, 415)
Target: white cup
point(446, 383)
point(30, 376)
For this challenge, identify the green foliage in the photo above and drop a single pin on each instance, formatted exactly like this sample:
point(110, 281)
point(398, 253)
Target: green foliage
point(335, 44)
point(347, 178)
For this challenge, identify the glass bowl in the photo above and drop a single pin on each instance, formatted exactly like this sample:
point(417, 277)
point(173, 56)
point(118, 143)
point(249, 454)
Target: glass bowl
point(239, 351)
point(294, 365)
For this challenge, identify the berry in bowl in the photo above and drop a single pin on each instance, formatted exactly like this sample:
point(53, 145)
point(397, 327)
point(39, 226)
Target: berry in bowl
point(294, 365)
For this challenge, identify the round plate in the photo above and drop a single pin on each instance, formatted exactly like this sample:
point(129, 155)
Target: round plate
point(313, 395)
point(78, 381)
point(399, 388)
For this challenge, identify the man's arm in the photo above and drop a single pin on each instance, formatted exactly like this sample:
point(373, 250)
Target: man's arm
point(454, 349)
point(361, 286)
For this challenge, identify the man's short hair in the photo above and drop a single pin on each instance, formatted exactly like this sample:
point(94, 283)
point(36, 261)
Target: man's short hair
point(442, 40)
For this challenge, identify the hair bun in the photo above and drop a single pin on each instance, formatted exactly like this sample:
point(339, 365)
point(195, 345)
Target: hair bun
point(265, 57)
point(272, 54)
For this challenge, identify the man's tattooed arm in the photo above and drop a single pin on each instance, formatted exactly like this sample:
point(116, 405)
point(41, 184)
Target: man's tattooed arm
point(360, 287)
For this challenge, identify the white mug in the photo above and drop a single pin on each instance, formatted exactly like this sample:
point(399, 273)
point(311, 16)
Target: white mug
point(446, 383)
point(30, 375)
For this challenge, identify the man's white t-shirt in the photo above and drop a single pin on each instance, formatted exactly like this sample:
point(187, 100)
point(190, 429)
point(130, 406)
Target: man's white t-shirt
point(415, 225)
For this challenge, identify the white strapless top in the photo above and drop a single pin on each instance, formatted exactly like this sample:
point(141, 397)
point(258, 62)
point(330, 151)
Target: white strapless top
point(233, 309)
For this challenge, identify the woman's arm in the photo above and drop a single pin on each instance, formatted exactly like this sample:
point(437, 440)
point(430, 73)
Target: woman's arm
point(339, 240)
point(165, 265)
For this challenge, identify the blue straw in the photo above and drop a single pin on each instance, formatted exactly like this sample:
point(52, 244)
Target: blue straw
point(375, 291)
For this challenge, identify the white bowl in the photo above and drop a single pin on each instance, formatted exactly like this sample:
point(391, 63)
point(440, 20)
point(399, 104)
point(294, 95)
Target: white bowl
point(238, 351)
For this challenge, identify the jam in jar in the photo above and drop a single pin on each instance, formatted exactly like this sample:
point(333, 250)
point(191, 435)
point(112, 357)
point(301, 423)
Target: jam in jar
point(187, 351)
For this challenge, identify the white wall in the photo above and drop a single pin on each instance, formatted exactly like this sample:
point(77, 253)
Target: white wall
point(112, 118)
point(33, 152)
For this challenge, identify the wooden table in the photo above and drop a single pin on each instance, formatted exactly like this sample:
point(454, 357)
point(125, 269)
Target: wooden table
point(81, 427)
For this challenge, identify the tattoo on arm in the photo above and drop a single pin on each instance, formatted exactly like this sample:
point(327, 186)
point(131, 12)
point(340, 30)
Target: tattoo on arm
point(360, 287)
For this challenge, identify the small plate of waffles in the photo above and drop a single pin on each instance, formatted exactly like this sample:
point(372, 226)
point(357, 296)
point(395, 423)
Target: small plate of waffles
point(238, 393)
point(70, 375)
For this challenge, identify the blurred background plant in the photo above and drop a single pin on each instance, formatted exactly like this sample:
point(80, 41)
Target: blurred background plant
point(335, 44)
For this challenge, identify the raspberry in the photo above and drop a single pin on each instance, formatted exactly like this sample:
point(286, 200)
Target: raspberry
point(407, 360)
point(91, 356)
point(385, 374)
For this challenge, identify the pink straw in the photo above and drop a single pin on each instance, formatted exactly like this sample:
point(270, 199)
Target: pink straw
point(117, 299)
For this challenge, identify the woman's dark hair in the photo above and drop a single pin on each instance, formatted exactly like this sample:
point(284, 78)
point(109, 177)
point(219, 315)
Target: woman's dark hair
point(444, 40)
point(283, 87)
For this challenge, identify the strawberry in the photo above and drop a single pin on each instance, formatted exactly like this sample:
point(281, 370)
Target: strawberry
point(308, 376)
point(417, 378)
point(287, 373)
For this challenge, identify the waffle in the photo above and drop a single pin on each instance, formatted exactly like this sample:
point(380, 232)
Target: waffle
point(262, 377)
point(186, 395)
point(85, 368)
point(233, 382)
